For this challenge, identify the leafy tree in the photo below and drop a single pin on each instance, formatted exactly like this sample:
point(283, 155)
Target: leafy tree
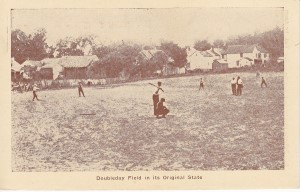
point(219, 43)
point(32, 46)
point(83, 45)
point(116, 59)
point(177, 53)
point(68, 47)
point(202, 45)
point(102, 51)
point(19, 44)
point(272, 41)
point(37, 45)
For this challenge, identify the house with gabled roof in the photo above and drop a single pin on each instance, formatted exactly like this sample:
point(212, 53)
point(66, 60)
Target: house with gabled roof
point(69, 67)
point(219, 65)
point(15, 69)
point(199, 59)
point(241, 55)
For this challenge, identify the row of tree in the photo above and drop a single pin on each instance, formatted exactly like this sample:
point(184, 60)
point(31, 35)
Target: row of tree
point(272, 41)
point(115, 59)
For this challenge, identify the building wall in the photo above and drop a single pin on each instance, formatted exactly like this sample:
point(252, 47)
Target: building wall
point(232, 59)
point(198, 61)
point(46, 73)
point(245, 62)
point(75, 73)
point(216, 66)
point(57, 70)
point(264, 56)
point(172, 70)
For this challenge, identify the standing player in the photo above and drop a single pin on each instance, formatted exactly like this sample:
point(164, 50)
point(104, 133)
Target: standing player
point(155, 96)
point(34, 90)
point(201, 84)
point(263, 82)
point(80, 90)
point(233, 86)
point(239, 86)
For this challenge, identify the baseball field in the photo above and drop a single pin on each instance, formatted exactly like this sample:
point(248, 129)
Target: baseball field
point(113, 127)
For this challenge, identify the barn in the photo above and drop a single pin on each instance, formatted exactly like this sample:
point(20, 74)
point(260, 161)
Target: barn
point(219, 65)
point(76, 67)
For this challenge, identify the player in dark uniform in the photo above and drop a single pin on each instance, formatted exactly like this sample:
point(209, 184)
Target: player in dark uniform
point(161, 109)
point(155, 97)
point(233, 86)
point(34, 90)
point(263, 82)
point(80, 90)
point(201, 84)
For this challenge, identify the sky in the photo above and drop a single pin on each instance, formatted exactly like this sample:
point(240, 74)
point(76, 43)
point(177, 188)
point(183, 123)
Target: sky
point(183, 26)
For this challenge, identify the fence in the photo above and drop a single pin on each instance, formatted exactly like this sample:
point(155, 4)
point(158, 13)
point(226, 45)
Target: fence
point(67, 83)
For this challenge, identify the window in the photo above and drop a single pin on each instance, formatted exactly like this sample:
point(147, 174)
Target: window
point(259, 55)
point(237, 63)
point(265, 55)
point(241, 54)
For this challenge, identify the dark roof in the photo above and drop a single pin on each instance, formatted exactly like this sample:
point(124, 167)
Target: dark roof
point(205, 54)
point(221, 61)
point(148, 54)
point(212, 51)
point(247, 58)
point(236, 49)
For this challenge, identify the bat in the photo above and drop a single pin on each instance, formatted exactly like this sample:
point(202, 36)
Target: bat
point(156, 86)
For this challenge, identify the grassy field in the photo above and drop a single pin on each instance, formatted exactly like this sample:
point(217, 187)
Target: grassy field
point(206, 130)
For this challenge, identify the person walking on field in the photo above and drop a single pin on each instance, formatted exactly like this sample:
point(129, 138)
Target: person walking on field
point(161, 109)
point(263, 82)
point(239, 86)
point(201, 84)
point(233, 86)
point(34, 90)
point(80, 90)
point(155, 96)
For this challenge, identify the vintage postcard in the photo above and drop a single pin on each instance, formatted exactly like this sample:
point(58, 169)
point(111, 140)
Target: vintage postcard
point(149, 94)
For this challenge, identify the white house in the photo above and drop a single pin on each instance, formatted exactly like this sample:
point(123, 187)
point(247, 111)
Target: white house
point(199, 59)
point(15, 66)
point(15, 69)
point(216, 53)
point(237, 55)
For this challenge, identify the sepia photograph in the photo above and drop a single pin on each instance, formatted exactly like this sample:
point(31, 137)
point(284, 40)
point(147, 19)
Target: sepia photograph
point(149, 95)
point(147, 89)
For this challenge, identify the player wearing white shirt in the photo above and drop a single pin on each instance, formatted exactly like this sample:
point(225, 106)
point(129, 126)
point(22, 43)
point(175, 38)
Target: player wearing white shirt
point(239, 86)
